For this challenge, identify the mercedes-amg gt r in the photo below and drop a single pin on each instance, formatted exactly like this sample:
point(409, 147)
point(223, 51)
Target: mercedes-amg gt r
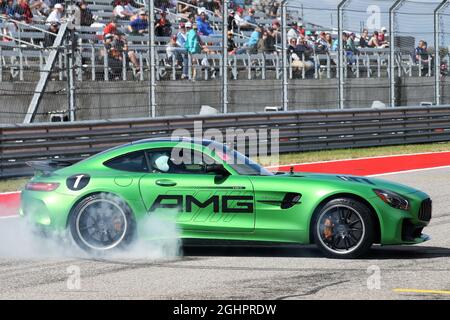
point(213, 192)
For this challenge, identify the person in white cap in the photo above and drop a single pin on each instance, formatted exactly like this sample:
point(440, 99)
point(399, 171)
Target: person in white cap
point(382, 37)
point(56, 14)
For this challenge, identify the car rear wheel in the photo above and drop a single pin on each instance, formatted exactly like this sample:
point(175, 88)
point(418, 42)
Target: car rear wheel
point(343, 228)
point(101, 223)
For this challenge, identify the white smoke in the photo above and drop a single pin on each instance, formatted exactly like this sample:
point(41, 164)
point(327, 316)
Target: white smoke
point(156, 239)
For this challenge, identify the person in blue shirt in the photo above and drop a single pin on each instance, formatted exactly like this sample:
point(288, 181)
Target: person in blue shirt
point(252, 43)
point(140, 24)
point(10, 9)
point(204, 28)
point(250, 17)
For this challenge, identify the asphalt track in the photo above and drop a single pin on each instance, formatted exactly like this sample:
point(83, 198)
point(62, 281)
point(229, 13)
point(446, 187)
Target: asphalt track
point(230, 272)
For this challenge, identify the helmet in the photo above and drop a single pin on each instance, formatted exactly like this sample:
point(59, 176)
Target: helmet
point(160, 162)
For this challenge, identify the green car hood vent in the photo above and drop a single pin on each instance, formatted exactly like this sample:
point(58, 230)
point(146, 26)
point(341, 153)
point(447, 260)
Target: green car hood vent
point(356, 179)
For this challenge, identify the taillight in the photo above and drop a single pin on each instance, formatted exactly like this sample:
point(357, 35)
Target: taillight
point(41, 186)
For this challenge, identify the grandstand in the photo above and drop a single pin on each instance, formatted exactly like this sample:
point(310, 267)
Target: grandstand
point(24, 53)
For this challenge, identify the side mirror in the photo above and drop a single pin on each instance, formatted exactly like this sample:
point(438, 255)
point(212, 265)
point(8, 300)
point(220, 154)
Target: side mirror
point(218, 169)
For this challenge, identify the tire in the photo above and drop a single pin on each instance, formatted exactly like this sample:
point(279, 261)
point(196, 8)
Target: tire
point(343, 228)
point(101, 223)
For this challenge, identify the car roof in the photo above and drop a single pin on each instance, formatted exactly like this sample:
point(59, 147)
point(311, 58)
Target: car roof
point(203, 142)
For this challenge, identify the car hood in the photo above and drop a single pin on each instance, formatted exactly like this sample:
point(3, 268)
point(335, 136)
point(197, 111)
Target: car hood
point(356, 181)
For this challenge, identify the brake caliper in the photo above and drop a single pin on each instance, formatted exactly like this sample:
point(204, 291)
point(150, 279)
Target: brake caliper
point(328, 230)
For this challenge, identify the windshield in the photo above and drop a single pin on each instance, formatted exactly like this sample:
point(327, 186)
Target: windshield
point(239, 162)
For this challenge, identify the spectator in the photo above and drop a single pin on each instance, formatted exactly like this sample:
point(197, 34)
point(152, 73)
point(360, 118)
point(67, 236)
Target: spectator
point(374, 42)
point(193, 45)
point(322, 45)
point(231, 21)
point(214, 6)
point(115, 64)
point(421, 53)
point(3, 6)
point(382, 37)
point(275, 30)
point(86, 16)
point(231, 45)
point(251, 45)
point(182, 34)
point(204, 28)
point(111, 27)
point(163, 28)
point(364, 39)
point(117, 49)
point(140, 24)
point(49, 39)
point(267, 43)
point(273, 9)
point(175, 52)
point(350, 48)
point(23, 11)
point(39, 8)
point(250, 17)
point(121, 10)
point(350, 43)
point(329, 40)
point(187, 10)
point(56, 14)
point(239, 18)
point(193, 42)
point(293, 32)
point(301, 55)
point(10, 9)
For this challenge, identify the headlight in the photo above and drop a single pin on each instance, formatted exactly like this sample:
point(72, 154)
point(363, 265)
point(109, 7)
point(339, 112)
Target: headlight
point(393, 199)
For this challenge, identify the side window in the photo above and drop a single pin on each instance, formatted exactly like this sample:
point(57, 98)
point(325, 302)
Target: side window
point(132, 162)
point(181, 161)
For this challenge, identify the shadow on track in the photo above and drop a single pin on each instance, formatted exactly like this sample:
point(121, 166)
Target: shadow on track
point(310, 251)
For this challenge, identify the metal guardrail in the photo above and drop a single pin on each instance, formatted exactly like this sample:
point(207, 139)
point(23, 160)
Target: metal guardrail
point(298, 131)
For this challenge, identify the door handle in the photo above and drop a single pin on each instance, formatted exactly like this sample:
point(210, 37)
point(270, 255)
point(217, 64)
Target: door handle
point(166, 183)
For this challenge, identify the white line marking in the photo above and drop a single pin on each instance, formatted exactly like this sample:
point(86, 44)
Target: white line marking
point(10, 217)
point(407, 171)
point(356, 159)
point(8, 193)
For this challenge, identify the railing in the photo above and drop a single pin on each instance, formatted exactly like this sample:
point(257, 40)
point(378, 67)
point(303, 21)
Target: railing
point(298, 131)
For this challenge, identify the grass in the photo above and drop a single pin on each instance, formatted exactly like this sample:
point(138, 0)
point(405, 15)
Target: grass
point(290, 158)
point(7, 185)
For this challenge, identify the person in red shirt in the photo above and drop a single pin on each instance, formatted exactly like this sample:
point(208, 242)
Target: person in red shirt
point(111, 27)
point(24, 10)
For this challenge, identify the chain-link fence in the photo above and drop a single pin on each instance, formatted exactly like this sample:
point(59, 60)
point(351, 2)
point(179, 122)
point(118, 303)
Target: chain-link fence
point(442, 39)
point(312, 57)
point(222, 57)
point(414, 48)
point(365, 48)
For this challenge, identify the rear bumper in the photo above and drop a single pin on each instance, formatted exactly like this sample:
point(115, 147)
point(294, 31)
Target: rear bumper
point(46, 209)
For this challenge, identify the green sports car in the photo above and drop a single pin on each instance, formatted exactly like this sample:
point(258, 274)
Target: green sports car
point(213, 192)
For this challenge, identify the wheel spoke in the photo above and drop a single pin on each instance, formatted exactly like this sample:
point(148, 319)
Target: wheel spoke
point(346, 243)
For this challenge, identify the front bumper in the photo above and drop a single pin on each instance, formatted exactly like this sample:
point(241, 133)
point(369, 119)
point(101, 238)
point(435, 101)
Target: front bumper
point(405, 227)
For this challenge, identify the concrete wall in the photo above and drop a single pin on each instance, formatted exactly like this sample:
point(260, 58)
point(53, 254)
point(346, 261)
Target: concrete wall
point(109, 100)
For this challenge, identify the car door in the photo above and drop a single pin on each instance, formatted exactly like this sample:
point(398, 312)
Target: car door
point(196, 200)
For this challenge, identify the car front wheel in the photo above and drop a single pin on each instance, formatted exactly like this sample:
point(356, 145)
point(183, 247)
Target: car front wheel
point(343, 228)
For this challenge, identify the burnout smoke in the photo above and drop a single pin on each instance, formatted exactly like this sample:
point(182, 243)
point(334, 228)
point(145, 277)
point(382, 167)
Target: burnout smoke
point(156, 238)
point(19, 239)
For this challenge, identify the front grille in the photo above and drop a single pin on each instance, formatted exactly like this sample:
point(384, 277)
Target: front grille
point(425, 210)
